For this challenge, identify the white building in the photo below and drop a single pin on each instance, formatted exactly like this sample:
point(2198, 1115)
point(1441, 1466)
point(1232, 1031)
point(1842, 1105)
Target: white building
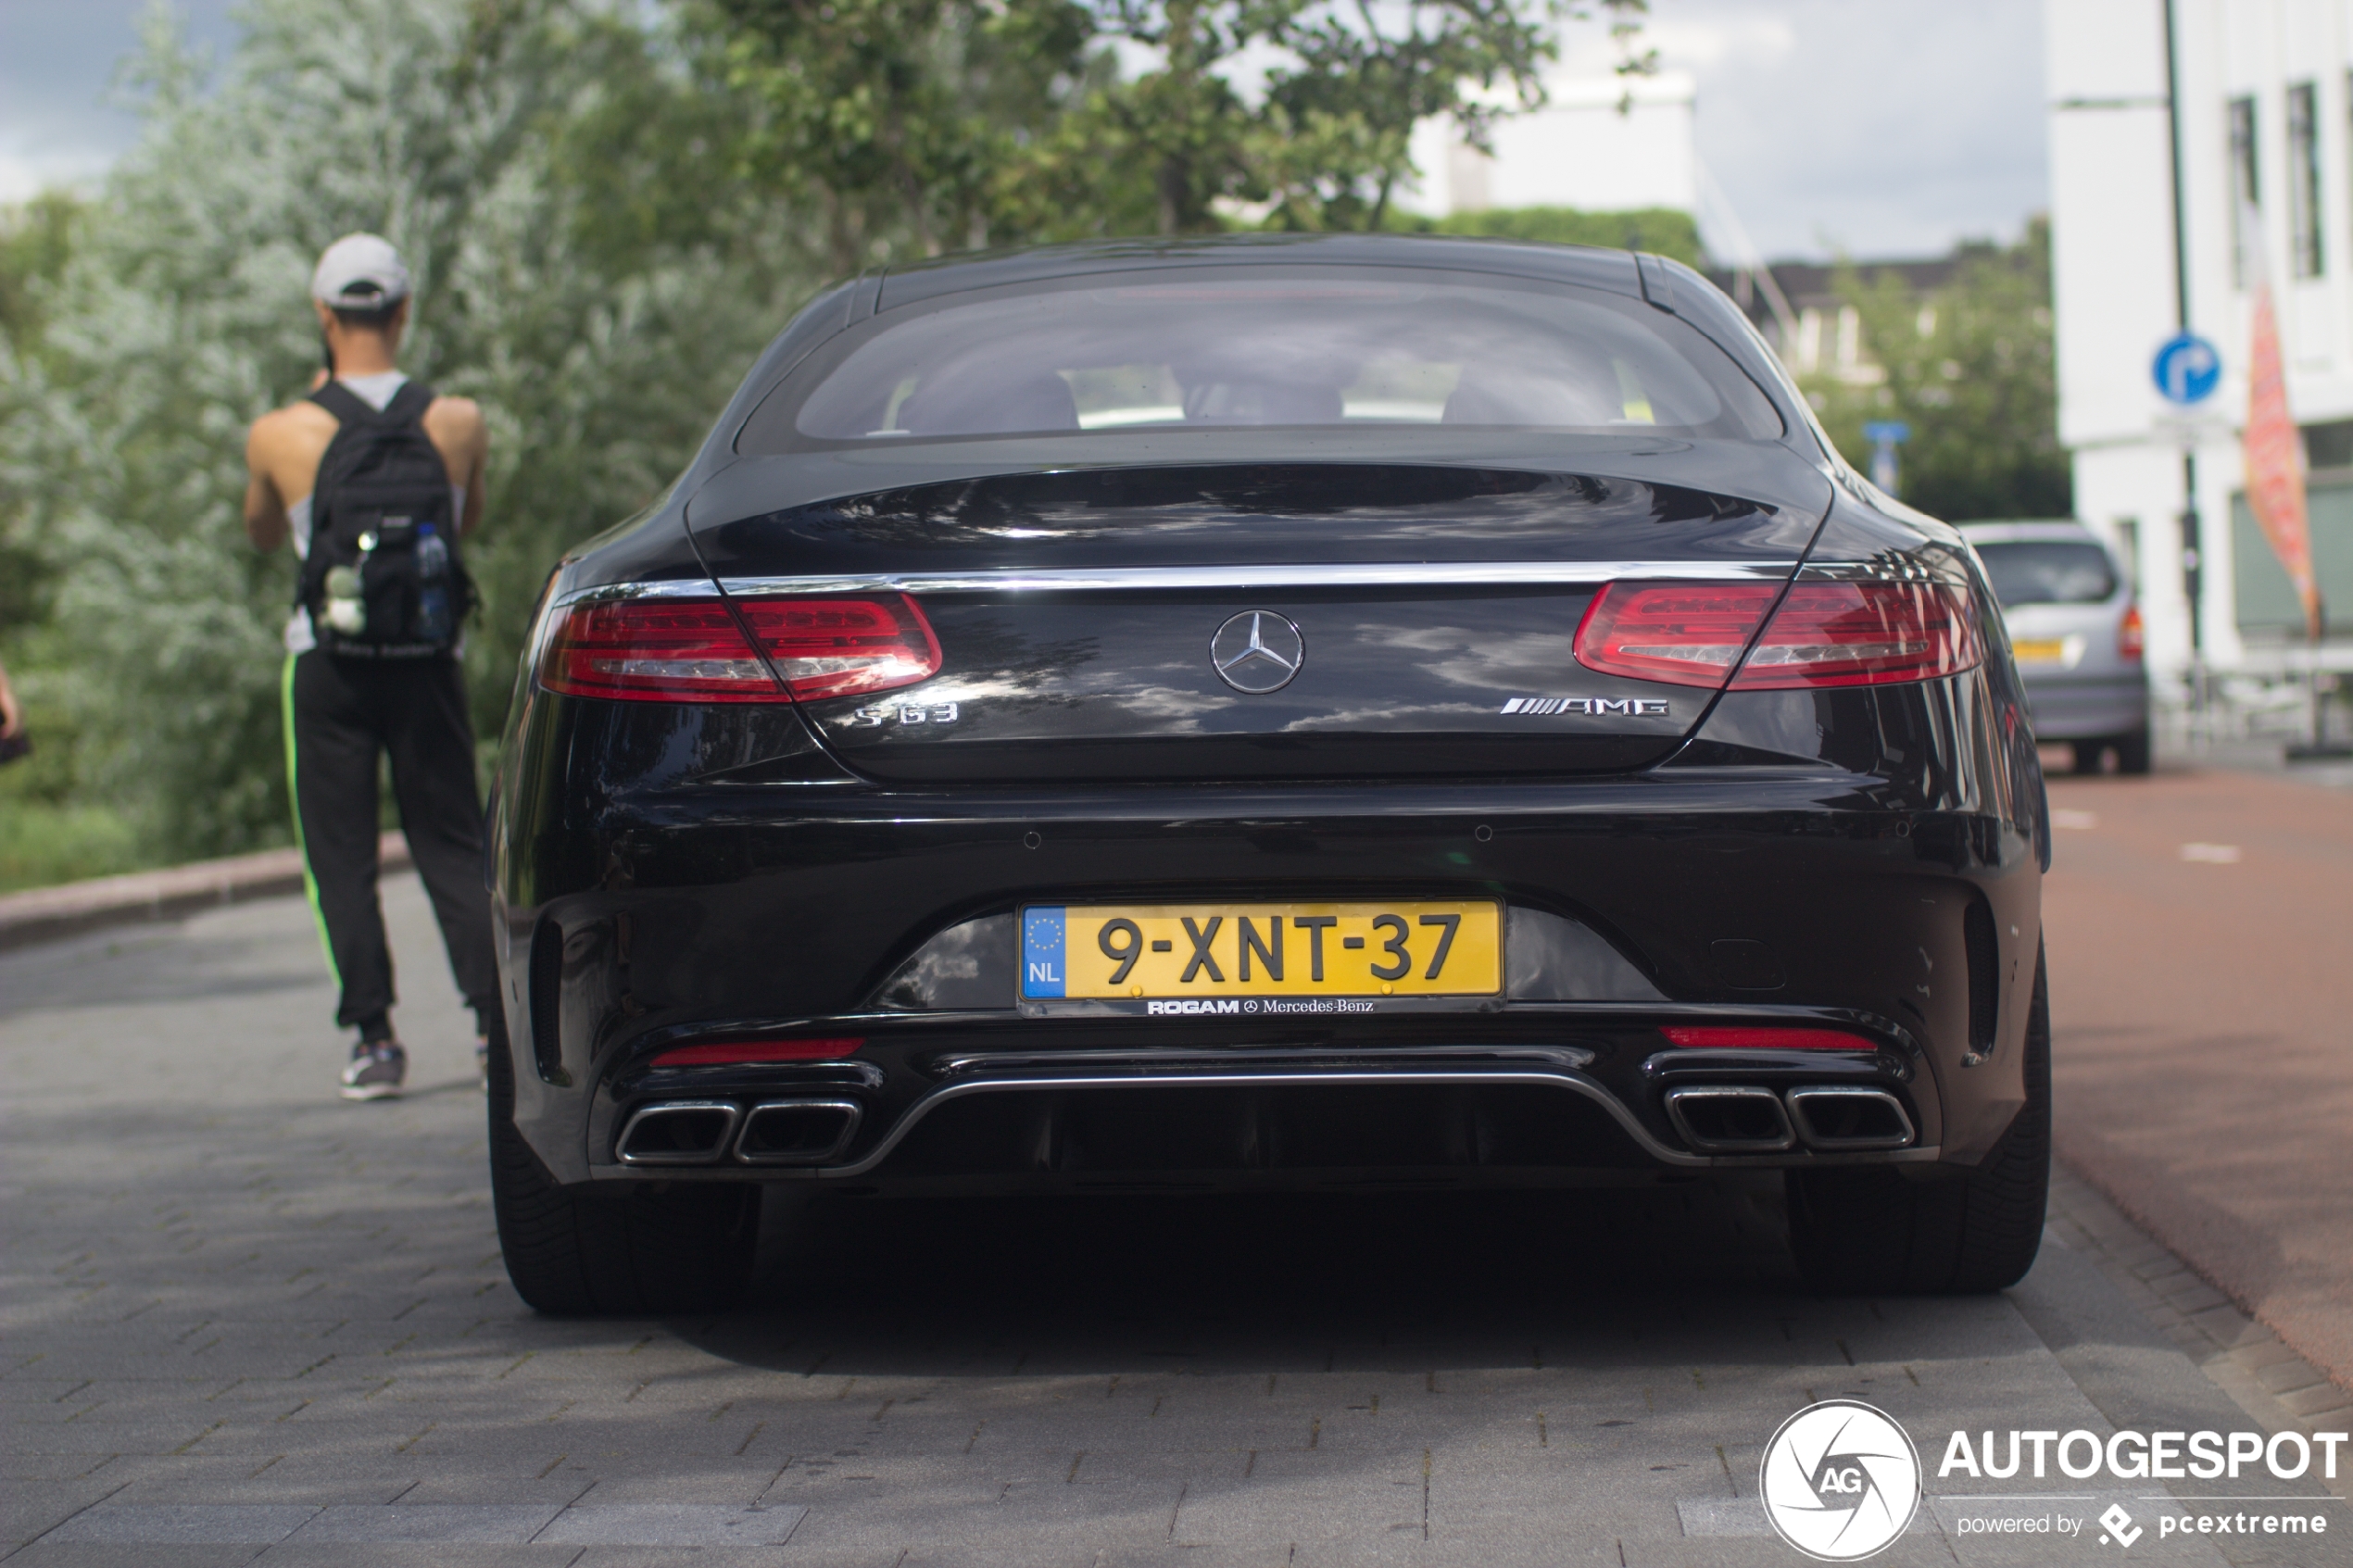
point(2264, 114)
point(1579, 150)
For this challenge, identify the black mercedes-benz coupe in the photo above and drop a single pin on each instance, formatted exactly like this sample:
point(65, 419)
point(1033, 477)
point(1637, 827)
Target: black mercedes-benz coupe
point(1321, 710)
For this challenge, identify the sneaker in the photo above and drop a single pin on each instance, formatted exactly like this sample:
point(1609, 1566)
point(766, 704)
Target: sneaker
point(376, 1072)
point(481, 1062)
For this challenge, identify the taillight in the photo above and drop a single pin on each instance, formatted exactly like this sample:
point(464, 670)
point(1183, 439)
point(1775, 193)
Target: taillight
point(693, 650)
point(1862, 634)
point(1741, 1036)
point(1686, 633)
point(841, 648)
point(756, 1051)
point(1824, 634)
point(2132, 640)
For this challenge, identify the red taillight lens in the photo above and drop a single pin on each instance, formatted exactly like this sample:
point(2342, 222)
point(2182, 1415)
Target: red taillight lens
point(841, 648)
point(1686, 633)
point(2132, 639)
point(758, 1050)
point(1824, 634)
point(1862, 634)
point(1741, 1037)
point(656, 650)
point(693, 650)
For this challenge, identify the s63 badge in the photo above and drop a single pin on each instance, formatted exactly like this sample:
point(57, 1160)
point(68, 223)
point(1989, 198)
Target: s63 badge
point(903, 715)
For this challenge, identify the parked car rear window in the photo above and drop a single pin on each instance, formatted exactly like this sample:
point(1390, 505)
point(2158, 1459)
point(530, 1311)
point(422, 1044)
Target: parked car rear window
point(1293, 346)
point(2049, 572)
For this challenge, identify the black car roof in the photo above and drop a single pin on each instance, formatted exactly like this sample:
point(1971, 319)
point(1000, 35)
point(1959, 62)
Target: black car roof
point(1595, 267)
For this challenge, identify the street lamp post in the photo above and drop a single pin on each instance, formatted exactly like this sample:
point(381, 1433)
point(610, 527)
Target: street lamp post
point(2193, 528)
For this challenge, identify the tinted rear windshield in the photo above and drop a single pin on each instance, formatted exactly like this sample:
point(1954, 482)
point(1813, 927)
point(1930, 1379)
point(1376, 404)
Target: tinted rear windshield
point(2035, 572)
point(1288, 346)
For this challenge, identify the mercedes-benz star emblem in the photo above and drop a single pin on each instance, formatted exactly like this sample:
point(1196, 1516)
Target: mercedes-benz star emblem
point(1257, 652)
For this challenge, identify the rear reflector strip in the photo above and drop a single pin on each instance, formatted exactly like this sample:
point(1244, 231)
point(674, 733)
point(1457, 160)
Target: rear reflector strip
point(742, 1052)
point(694, 650)
point(1823, 635)
point(1748, 1037)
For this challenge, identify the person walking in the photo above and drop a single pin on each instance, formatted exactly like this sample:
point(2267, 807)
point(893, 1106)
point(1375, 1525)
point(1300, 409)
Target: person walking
point(374, 480)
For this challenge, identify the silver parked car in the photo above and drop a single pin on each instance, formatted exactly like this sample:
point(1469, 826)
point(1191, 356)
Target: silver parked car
point(2076, 635)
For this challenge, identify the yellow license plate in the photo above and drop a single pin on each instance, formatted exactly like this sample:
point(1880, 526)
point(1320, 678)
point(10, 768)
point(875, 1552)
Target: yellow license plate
point(1227, 951)
point(2039, 650)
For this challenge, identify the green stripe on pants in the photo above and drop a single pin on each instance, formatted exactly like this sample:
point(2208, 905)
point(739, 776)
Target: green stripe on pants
point(293, 801)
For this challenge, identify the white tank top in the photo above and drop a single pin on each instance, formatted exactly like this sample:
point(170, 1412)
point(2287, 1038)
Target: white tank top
point(377, 392)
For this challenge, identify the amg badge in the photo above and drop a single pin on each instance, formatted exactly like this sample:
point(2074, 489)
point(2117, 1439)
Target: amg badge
point(1631, 707)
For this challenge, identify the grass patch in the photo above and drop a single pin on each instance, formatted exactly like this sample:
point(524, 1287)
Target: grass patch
point(43, 844)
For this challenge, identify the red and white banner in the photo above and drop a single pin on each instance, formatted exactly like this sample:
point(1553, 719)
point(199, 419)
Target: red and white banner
point(2274, 455)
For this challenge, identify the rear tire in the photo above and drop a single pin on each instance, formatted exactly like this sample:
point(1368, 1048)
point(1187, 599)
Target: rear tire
point(2087, 754)
point(1871, 1231)
point(2132, 751)
point(648, 1249)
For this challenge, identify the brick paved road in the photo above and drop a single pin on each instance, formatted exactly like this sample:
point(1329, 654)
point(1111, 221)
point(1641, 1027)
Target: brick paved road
point(246, 1322)
point(2201, 941)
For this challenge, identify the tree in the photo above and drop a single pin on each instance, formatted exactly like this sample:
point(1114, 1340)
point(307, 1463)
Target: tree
point(1664, 231)
point(468, 131)
point(895, 121)
point(936, 123)
point(1969, 366)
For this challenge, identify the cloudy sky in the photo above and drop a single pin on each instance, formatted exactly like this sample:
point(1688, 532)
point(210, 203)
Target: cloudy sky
point(1875, 127)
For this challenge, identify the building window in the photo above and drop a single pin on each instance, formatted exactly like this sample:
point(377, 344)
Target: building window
point(2303, 179)
point(2329, 445)
point(2247, 186)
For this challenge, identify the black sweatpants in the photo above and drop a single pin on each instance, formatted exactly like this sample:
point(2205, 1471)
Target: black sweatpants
point(341, 713)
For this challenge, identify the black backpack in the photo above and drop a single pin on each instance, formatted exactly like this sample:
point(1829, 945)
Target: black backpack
point(382, 578)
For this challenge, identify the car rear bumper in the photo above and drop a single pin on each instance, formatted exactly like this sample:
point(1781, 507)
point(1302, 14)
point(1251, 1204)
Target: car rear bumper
point(2082, 708)
point(1732, 896)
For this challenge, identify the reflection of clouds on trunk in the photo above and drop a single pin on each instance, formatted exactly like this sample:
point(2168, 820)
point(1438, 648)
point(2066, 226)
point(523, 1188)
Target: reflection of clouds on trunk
point(1488, 659)
point(1405, 720)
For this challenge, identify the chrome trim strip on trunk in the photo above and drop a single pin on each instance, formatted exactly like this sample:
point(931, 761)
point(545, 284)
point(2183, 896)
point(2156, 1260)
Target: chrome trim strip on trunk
point(1304, 574)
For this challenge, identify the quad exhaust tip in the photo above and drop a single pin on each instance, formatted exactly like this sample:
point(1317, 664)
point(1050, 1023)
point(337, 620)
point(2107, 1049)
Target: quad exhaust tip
point(682, 1132)
point(1731, 1119)
point(798, 1132)
point(1747, 1119)
point(703, 1131)
point(1850, 1118)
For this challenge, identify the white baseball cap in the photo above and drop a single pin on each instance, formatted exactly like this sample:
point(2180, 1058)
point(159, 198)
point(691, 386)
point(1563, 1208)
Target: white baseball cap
point(359, 272)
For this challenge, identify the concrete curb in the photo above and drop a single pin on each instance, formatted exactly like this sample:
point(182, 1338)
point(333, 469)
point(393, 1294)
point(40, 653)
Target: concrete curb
point(47, 914)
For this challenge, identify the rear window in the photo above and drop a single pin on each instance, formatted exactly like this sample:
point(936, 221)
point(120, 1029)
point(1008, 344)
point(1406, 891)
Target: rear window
point(1292, 347)
point(2053, 571)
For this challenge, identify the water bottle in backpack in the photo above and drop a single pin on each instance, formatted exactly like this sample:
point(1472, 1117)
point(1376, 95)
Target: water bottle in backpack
point(433, 585)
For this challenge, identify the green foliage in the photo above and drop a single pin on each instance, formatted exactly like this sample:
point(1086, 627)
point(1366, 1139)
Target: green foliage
point(897, 121)
point(1662, 230)
point(608, 207)
point(1970, 367)
point(930, 124)
point(600, 344)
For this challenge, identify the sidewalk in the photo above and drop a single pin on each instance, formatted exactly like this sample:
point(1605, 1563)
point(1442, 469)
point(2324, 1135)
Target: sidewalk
point(44, 914)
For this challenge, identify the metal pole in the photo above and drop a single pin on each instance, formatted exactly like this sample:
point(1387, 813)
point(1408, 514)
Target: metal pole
point(2193, 530)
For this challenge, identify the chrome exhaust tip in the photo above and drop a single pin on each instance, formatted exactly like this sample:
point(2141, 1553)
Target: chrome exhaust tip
point(678, 1132)
point(798, 1132)
point(1731, 1119)
point(1851, 1118)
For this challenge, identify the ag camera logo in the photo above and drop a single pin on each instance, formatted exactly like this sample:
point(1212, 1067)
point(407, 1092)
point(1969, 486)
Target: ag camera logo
point(1840, 1480)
